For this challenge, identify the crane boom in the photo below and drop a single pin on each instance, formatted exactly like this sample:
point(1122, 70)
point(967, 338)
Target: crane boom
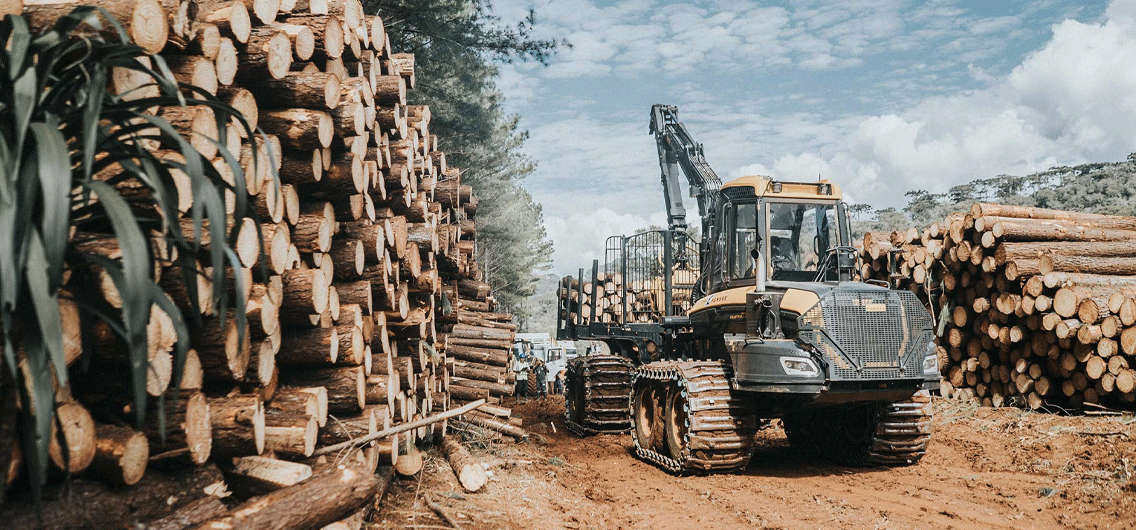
point(678, 152)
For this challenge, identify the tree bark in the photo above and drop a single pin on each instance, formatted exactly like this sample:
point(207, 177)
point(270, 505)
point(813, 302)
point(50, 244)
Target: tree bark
point(346, 387)
point(121, 454)
point(469, 471)
point(312, 504)
point(301, 129)
point(237, 425)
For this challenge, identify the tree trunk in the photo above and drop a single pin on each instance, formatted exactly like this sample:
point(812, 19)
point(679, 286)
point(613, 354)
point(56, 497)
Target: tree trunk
point(346, 387)
point(238, 425)
point(317, 91)
point(469, 471)
point(300, 129)
point(1088, 264)
point(313, 347)
point(1010, 229)
point(145, 21)
point(193, 513)
point(121, 454)
point(257, 475)
point(312, 504)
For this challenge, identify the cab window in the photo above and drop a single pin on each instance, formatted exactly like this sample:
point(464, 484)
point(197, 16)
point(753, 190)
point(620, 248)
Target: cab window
point(744, 240)
point(800, 235)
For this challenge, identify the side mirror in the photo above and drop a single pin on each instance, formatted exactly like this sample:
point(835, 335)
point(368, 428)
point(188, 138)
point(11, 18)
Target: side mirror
point(754, 253)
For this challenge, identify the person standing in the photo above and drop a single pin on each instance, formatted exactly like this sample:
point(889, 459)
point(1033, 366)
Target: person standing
point(540, 372)
point(561, 376)
point(521, 371)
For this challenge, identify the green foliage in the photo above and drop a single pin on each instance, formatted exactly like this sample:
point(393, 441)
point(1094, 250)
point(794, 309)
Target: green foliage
point(1098, 187)
point(69, 146)
point(456, 44)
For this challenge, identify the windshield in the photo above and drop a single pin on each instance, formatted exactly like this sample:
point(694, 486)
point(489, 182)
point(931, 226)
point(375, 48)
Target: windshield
point(799, 236)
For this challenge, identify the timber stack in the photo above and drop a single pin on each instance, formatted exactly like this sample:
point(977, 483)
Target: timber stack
point(365, 305)
point(611, 299)
point(1039, 305)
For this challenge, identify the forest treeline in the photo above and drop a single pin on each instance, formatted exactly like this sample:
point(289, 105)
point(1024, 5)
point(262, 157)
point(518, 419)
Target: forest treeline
point(1097, 187)
point(457, 46)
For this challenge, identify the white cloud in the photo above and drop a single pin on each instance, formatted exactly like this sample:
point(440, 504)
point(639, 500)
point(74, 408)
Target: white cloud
point(941, 99)
point(579, 237)
point(1072, 101)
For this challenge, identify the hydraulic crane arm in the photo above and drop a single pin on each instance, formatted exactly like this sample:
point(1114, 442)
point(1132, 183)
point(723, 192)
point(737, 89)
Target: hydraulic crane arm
point(678, 152)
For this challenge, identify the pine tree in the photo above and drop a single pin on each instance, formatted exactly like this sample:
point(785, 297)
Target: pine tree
point(457, 45)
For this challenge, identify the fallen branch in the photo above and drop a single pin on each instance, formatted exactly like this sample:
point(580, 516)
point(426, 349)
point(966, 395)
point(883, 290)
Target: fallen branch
point(398, 429)
point(441, 513)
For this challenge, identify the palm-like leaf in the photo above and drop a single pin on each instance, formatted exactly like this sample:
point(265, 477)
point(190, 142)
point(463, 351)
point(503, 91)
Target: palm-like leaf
point(64, 133)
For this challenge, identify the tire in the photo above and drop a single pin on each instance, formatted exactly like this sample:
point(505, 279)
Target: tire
point(676, 424)
point(645, 417)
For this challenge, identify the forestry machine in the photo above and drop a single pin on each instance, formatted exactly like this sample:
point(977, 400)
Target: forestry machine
point(766, 321)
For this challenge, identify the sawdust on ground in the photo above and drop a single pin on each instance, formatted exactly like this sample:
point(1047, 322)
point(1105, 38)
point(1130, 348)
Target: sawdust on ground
point(986, 469)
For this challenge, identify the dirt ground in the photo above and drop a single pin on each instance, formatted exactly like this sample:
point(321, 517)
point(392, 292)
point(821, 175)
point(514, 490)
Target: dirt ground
point(986, 468)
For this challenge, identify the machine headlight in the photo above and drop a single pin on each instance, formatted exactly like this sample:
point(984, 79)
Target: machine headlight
point(931, 361)
point(802, 366)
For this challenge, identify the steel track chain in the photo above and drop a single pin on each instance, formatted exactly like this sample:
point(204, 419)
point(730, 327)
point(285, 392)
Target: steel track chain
point(903, 431)
point(723, 426)
point(606, 384)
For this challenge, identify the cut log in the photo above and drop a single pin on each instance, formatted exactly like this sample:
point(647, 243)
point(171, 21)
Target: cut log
point(74, 439)
point(327, 34)
point(342, 429)
point(257, 475)
point(290, 434)
point(198, 124)
point(1088, 264)
point(390, 90)
point(145, 21)
point(358, 292)
point(189, 428)
point(305, 293)
point(203, 509)
point(237, 425)
point(232, 19)
point(266, 54)
point(1011, 229)
point(314, 503)
point(224, 354)
point(317, 91)
point(469, 471)
point(313, 347)
point(346, 387)
point(121, 454)
point(489, 422)
point(301, 129)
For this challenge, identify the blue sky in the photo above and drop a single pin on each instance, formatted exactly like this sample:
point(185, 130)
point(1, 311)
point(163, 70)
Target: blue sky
point(882, 96)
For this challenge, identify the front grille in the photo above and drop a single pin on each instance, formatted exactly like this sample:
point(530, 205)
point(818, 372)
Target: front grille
point(869, 334)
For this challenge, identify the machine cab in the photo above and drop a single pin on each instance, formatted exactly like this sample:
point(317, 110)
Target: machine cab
point(794, 229)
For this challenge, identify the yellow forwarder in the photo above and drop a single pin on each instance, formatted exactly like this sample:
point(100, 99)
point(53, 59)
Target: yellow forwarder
point(776, 327)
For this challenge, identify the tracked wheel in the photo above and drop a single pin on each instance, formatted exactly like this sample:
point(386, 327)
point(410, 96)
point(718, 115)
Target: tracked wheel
point(891, 434)
point(597, 395)
point(648, 405)
point(705, 427)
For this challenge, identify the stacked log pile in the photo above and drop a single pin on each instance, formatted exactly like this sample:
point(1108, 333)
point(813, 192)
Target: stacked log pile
point(604, 300)
point(368, 306)
point(1038, 306)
